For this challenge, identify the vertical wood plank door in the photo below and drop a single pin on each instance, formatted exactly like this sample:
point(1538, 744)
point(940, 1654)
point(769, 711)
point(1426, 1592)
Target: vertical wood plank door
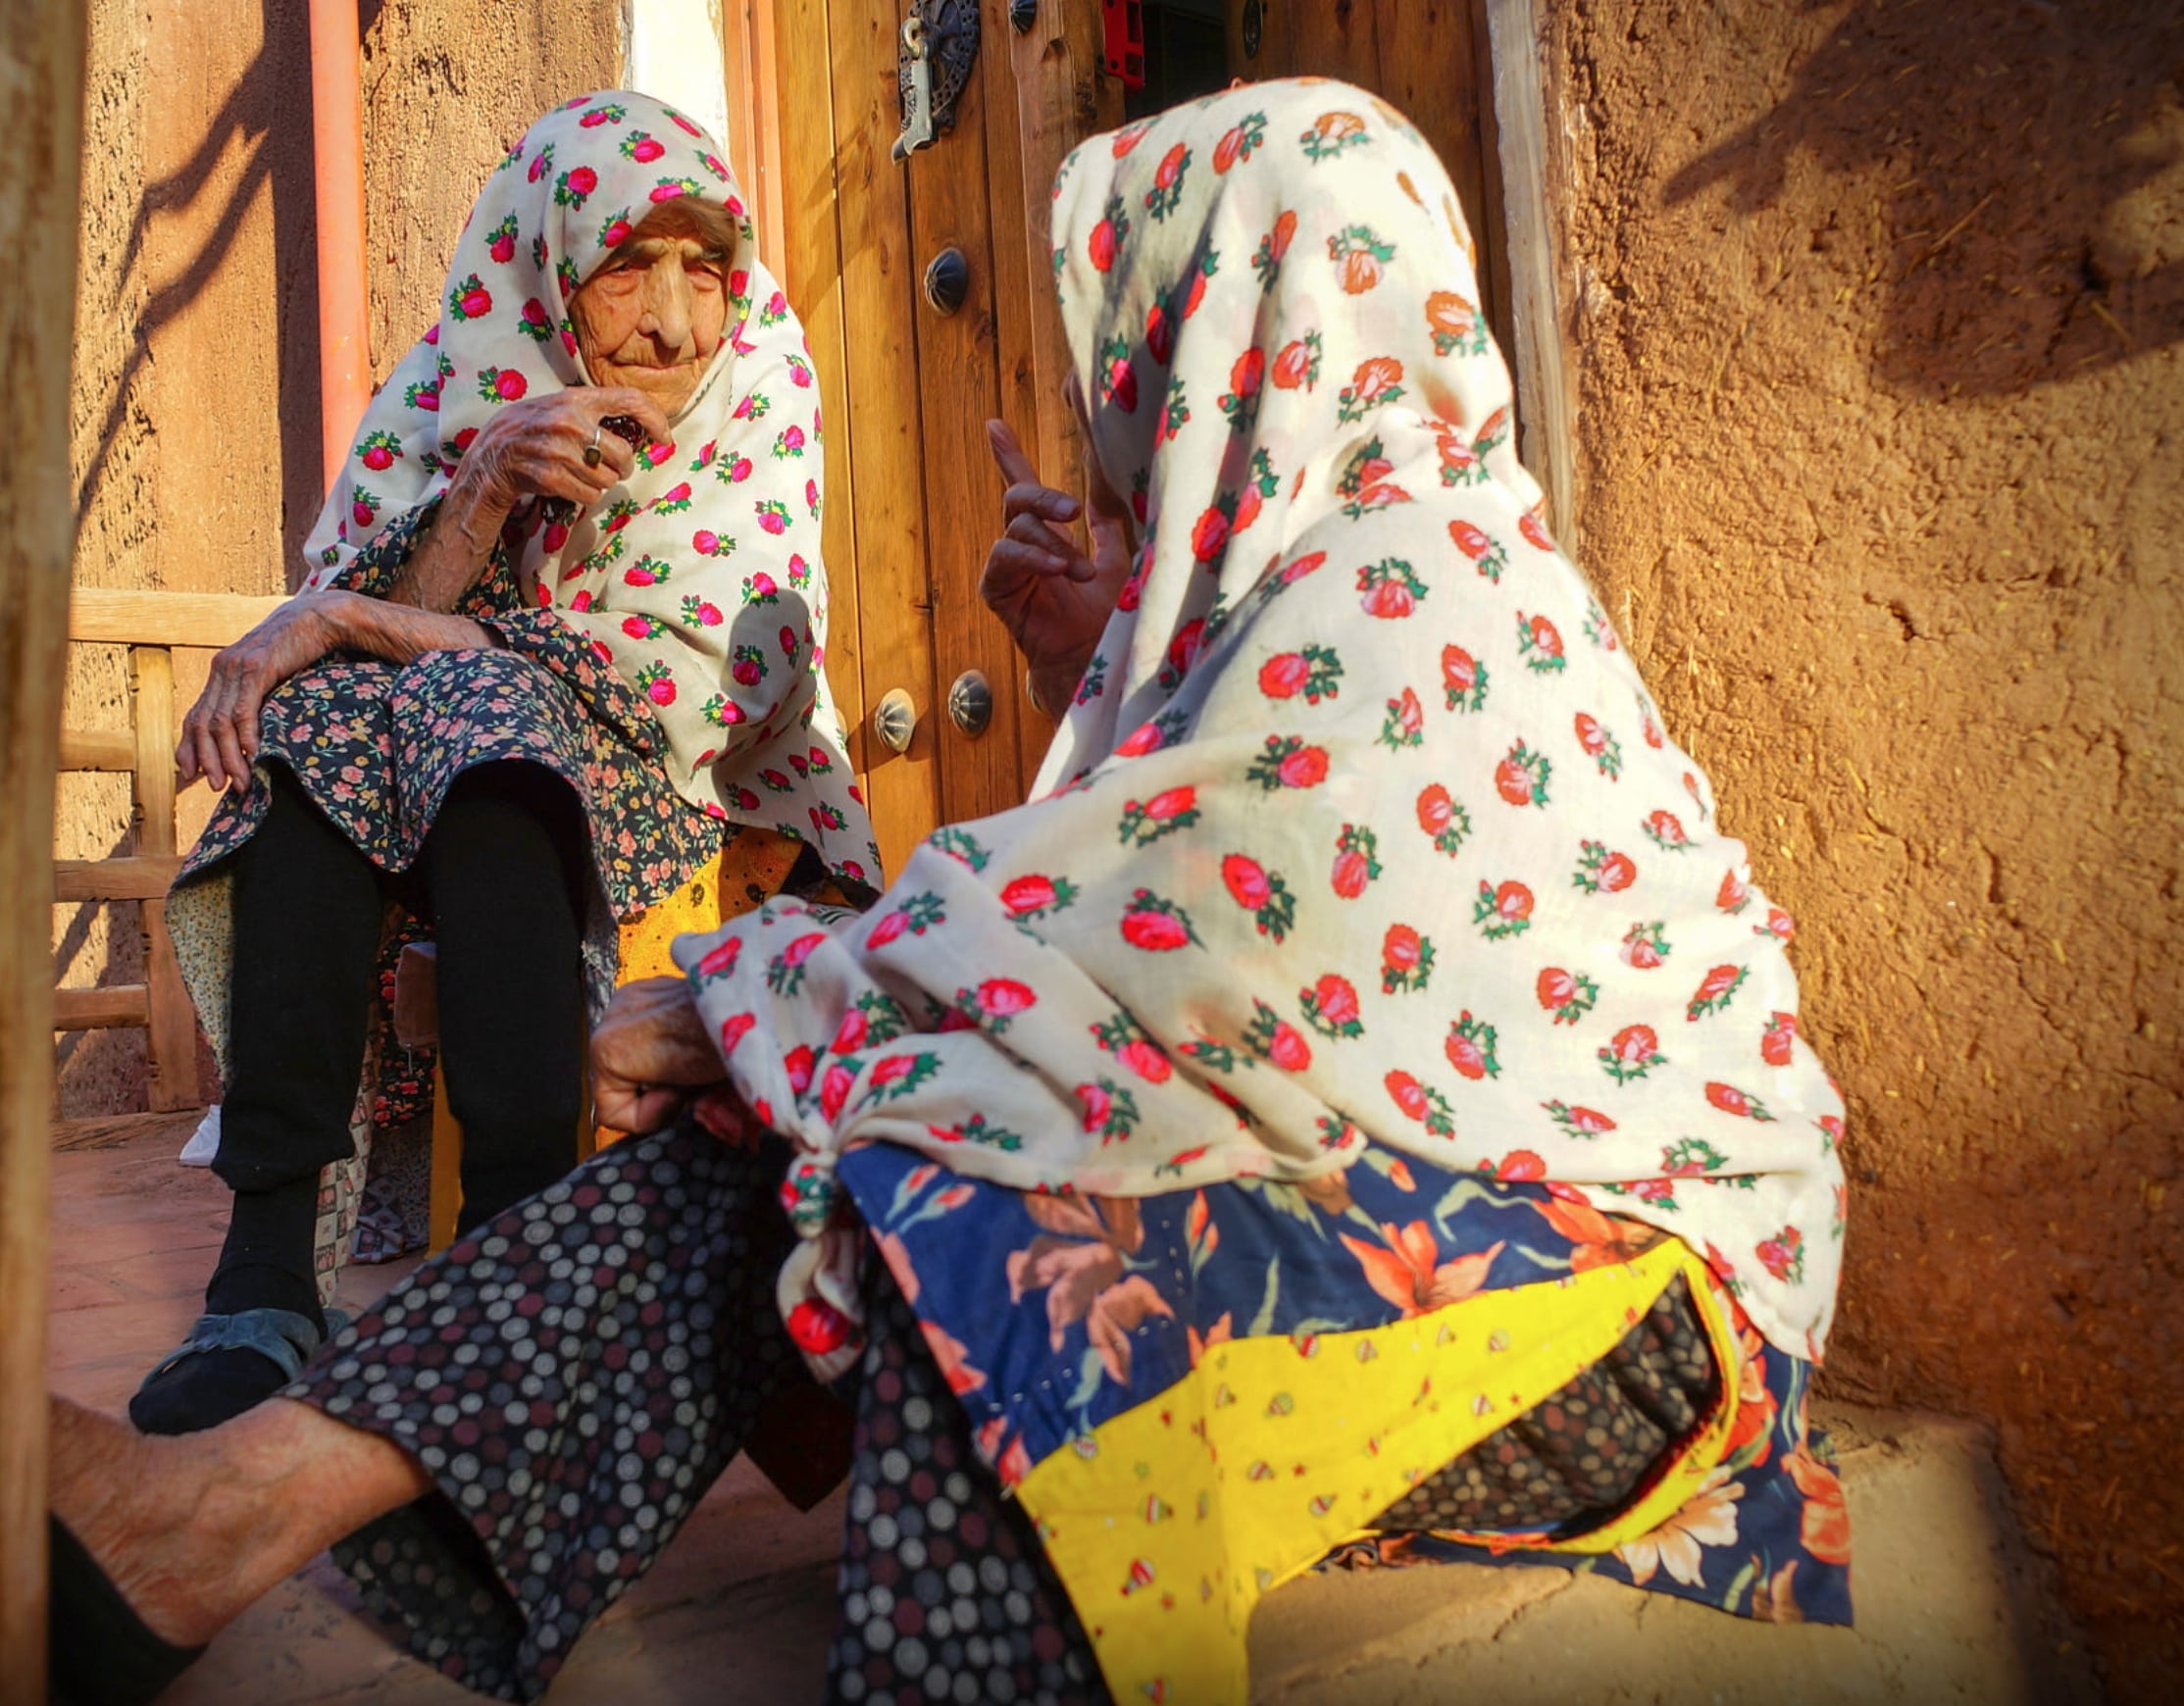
point(913, 496)
point(952, 207)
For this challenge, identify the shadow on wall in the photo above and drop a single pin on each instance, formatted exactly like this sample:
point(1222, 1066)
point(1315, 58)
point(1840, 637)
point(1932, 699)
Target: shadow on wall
point(266, 114)
point(2028, 169)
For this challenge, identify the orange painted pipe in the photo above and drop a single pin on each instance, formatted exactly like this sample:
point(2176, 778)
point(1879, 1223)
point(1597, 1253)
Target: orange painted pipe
point(337, 152)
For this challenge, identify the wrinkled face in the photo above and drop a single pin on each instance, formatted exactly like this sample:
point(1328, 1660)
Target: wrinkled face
point(652, 317)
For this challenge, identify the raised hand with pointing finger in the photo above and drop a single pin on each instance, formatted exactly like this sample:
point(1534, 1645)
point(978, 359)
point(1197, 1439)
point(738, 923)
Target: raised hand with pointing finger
point(1053, 597)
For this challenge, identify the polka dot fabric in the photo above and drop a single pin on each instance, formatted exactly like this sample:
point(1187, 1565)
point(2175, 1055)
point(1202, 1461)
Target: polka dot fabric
point(1585, 1451)
point(573, 1376)
point(945, 1591)
point(577, 1372)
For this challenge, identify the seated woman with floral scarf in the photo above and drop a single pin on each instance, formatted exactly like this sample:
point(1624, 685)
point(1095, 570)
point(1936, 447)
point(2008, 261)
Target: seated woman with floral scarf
point(1354, 1112)
point(560, 644)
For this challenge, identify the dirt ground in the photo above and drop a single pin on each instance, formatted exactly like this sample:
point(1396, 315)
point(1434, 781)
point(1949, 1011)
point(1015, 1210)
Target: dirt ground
point(1881, 313)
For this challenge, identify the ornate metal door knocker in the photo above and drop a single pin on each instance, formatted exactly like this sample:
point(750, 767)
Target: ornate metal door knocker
point(940, 46)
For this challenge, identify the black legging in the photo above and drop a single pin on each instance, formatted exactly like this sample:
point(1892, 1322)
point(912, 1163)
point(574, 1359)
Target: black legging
point(501, 877)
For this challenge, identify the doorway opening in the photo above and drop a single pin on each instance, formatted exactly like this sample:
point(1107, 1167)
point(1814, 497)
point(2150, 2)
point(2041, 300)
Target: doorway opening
point(1186, 53)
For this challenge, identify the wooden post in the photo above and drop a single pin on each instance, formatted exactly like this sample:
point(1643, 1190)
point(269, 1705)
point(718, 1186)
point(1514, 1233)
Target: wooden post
point(171, 1040)
point(756, 119)
point(344, 297)
point(1526, 112)
point(41, 65)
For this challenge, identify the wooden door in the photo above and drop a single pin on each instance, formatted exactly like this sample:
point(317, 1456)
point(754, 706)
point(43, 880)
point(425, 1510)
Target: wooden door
point(1474, 77)
point(913, 497)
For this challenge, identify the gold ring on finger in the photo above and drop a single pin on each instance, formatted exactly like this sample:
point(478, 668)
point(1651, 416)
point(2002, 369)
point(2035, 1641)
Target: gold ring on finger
point(592, 454)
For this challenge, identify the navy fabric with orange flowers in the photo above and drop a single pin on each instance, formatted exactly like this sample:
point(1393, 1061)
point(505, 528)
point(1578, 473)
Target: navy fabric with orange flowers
point(1050, 1316)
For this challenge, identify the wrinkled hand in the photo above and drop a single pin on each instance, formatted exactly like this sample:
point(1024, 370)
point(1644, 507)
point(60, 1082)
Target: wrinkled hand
point(534, 448)
point(649, 1051)
point(1051, 596)
point(219, 735)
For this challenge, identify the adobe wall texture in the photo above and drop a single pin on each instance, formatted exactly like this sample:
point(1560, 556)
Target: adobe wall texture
point(195, 439)
point(1880, 312)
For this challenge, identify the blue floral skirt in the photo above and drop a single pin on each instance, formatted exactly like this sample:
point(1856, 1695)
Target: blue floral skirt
point(1072, 1330)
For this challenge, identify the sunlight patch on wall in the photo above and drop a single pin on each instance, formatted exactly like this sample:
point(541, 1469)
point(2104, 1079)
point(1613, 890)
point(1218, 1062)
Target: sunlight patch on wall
point(673, 52)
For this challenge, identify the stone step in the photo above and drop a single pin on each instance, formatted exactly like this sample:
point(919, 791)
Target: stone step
point(1952, 1608)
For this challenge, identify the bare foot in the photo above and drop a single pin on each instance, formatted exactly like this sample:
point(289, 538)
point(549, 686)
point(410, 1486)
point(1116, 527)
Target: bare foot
point(194, 1527)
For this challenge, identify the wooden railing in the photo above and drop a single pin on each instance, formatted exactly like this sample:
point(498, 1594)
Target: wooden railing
point(152, 624)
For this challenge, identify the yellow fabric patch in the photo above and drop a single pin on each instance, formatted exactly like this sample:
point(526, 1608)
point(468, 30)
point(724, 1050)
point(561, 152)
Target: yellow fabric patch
point(1171, 1521)
point(751, 859)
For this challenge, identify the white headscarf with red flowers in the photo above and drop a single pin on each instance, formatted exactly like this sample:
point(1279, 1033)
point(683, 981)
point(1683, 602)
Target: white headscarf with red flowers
point(698, 580)
point(1362, 822)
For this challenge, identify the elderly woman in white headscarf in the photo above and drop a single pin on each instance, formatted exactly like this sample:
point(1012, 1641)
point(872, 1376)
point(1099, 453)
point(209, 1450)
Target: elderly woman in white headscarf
point(561, 641)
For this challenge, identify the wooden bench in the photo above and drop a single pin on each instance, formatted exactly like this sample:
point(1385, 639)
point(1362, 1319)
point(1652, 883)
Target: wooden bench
point(153, 625)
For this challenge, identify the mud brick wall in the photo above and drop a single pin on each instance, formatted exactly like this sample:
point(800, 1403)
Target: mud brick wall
point(1879, 311)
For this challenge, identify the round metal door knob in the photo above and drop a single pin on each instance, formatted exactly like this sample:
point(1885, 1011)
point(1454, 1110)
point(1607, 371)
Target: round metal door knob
point(947, 280)
point(895, 719)
point(971, 702)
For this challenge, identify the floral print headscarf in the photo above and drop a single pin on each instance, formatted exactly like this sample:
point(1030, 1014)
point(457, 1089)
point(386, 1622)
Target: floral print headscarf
point(1362, 822)
point(698, 580)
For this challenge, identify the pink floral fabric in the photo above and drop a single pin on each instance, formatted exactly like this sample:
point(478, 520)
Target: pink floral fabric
point(698, 580)
point(1363, 824)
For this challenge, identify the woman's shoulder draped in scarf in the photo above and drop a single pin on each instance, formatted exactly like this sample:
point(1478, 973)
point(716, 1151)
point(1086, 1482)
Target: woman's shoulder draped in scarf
point(1364, 820)
point(698, 580)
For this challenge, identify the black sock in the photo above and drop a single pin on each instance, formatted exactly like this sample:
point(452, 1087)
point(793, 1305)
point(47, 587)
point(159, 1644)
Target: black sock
point(506, 866)
point(266, 1262)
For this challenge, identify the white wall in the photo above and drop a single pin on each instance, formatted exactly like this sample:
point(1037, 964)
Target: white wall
point(672, 51)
